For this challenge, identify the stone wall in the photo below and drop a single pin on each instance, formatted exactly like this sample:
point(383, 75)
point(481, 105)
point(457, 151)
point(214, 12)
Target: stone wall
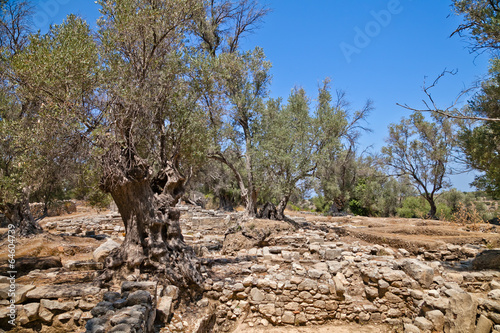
point(348, 283)
point(56, 208)
point(65, 307)
point(106, 225)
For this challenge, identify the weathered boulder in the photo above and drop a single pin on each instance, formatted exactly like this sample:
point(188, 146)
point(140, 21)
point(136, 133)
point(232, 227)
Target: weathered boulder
point(419, 271)
point(31, 310)
point(288, 317)
point(437, 319)
point(57, 306)
point(488, 259)
point(257, 295)
point(164, 309)
point(484, 325)
point(410, 328)
point(423, 323)
point(102, 252)
point(45, 315)
point(460, 316)
point(494, 294)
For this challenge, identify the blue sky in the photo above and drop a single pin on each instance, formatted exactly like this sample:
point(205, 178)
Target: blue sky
point(373, 49)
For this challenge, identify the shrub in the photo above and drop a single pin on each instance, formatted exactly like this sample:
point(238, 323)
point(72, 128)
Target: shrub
point(99, 200)
point(467, 215)
point(444, 212)
point(356, 208)
point(322, 206)
point(413, 207)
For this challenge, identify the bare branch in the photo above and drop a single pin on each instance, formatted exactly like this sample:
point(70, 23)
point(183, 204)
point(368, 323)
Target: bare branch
point(451, 111)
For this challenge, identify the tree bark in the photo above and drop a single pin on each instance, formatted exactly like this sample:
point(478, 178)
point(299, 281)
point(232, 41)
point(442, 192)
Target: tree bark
point(153, 240)
point(433, 210)
point(225, 202)
point(251, 203)
point(268, 211)
point(280, 209)
point(19, 214)
point(272, 212)
point(248, 194)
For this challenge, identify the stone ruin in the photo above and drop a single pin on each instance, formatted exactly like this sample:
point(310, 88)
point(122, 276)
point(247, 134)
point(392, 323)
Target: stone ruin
point(308, 276)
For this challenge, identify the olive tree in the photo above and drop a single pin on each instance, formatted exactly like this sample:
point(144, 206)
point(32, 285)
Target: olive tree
point(336, 131)
point(285, 148)
point(423, 150)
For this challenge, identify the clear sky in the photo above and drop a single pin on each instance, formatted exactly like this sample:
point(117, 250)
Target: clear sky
point(373, 49)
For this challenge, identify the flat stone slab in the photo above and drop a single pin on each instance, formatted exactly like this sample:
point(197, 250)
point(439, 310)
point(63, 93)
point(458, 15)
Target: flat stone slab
point(27, 264)
point(63, 291)
point(20, 292)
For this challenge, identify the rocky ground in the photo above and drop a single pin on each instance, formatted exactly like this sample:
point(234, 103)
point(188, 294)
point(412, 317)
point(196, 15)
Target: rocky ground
point(342, 274)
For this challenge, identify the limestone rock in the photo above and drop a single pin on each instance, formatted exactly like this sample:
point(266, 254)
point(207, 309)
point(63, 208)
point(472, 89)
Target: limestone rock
point(45, 315)
point(164, 309)
point(267, 310)
point(288, 317)
point(423, 324)
point(494, 284)
point(484, 325)
point(257, 295)
point(332, 254)
point(494, 294)
point(419, 271)
point(461, 314)
point(57, 306)
point(20, 292)
point(308, 284)
point(102, 252)
point(437, 319)
point(31, 310)
point(410, 328)
point(62, 291)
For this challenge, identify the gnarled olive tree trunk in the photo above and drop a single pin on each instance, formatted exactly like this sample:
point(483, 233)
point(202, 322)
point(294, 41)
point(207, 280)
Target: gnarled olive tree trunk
point(19, 214)
point(153, 240)
point(272, 212)
point(248, 194)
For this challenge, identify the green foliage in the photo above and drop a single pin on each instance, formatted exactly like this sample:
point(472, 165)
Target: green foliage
point(481, 141)
point(51, 79)
point(283, 155)
point(321, 204)
point(357, 208)
point(444, 212)
point(337, 131)
point(413, 207)
point(481, 21)
point(453, 198)
point(423, 150)
point(98, 199)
